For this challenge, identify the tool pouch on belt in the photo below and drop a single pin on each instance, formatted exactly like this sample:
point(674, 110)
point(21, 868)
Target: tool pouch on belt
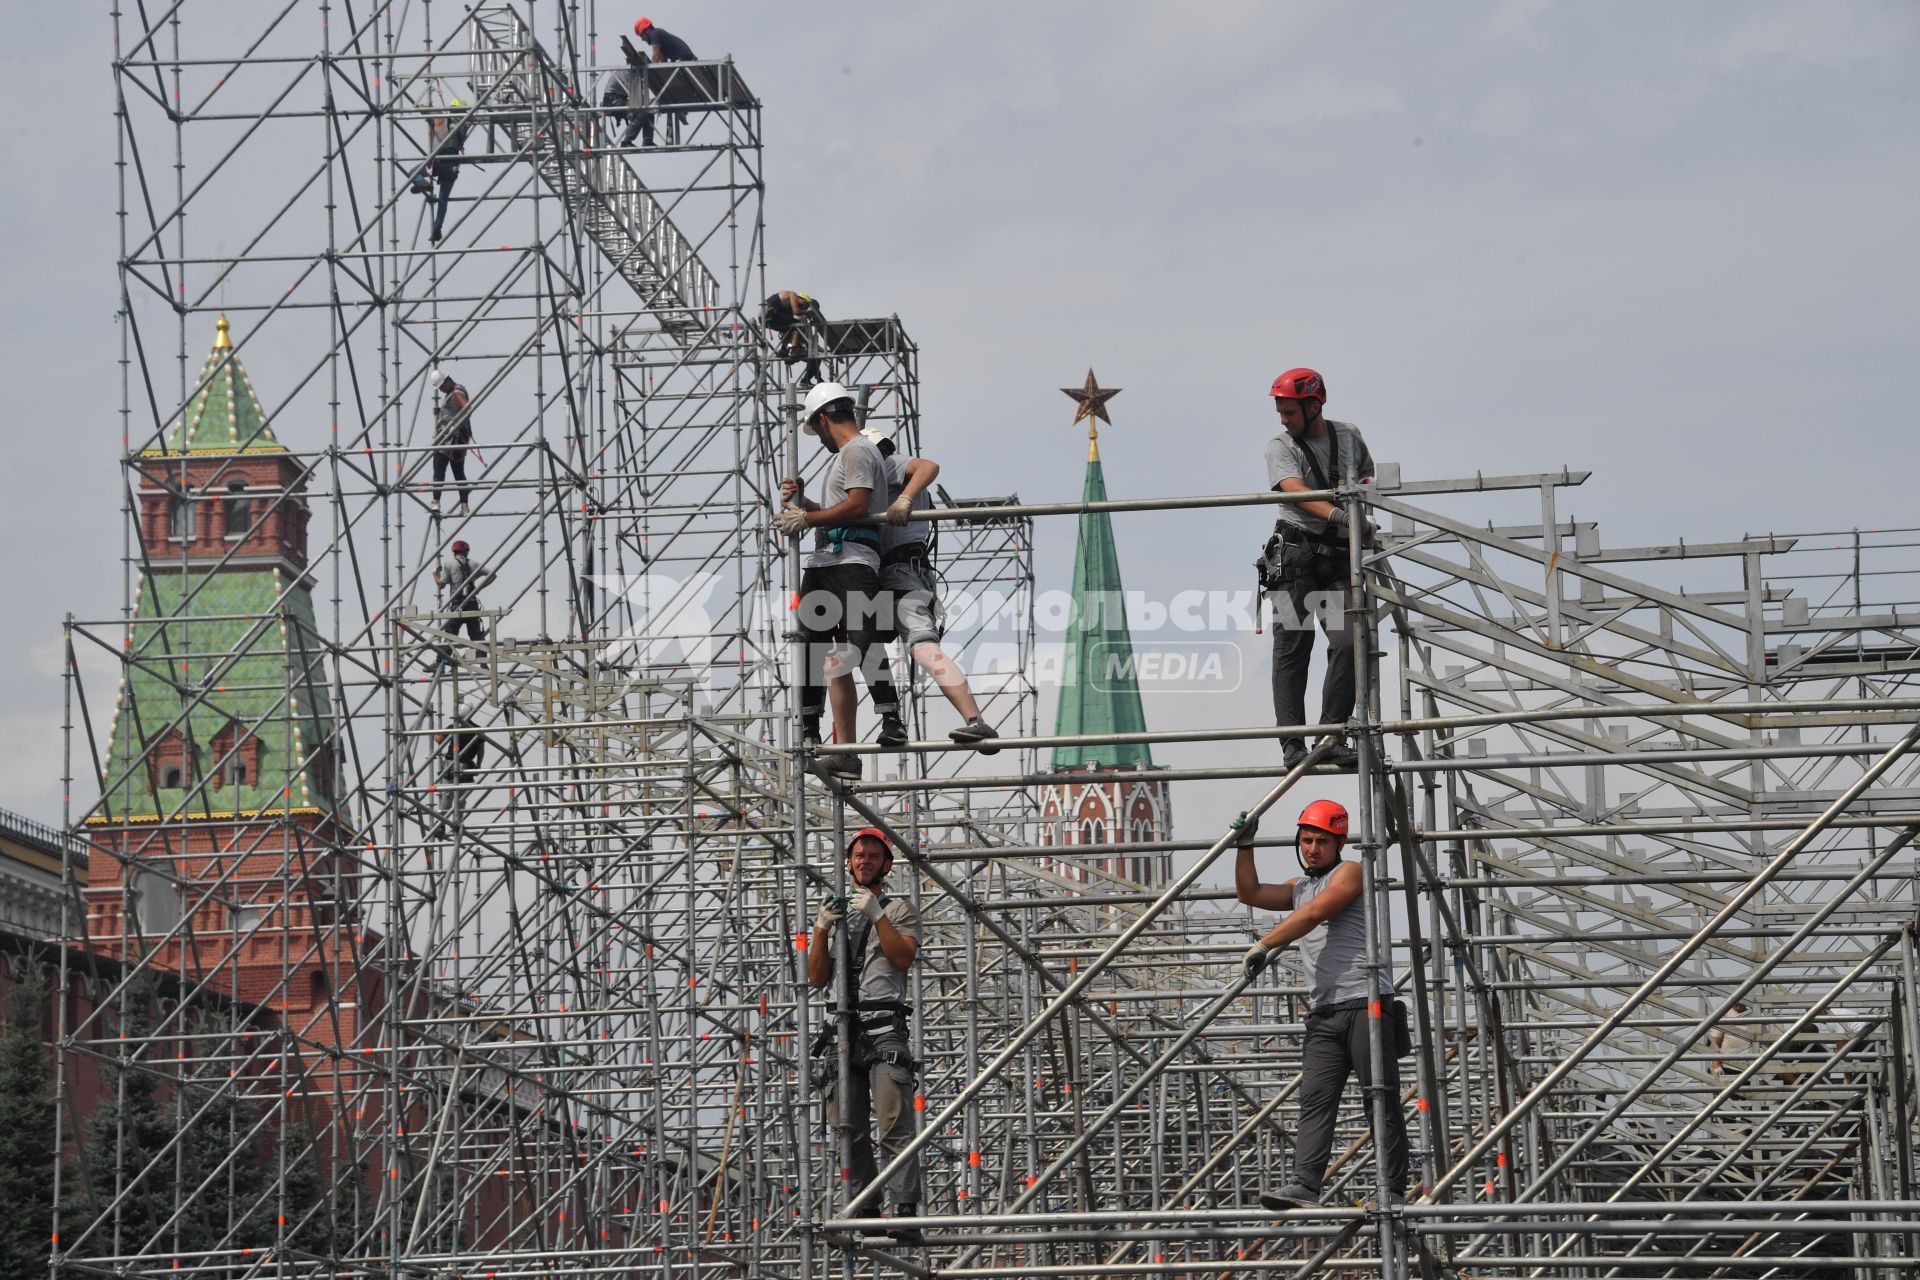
point(1402, 1034)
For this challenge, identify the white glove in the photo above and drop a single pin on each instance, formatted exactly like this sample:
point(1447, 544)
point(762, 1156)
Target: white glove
point(789, 489)
point(791, 521)
point(900, 509)
point(832, 911)
point(867, 903)
point(1255, 960)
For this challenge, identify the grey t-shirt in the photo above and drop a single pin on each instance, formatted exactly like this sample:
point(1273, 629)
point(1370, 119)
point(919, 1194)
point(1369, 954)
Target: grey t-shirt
point(858, 465)
point(1285, 460)
point(879, 980)
point(913, 531)
point(1336, 950)
point(463, 579)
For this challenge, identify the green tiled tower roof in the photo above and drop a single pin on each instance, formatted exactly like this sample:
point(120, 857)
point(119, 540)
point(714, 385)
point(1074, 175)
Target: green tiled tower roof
point(237, 645)
point(1098, 691)
point(224, 415)
point(249, 660)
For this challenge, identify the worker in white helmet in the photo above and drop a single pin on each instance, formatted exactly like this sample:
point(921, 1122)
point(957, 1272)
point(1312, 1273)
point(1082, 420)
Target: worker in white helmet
point(840, 598)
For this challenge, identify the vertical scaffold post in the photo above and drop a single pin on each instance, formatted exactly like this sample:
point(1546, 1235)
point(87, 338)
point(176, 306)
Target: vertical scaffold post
point(1359, 623)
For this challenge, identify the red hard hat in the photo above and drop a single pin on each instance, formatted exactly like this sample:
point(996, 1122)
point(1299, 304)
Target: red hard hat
point(1300, 384)
point(876, 833)
point(1326, 815)
point(461, 548)
point(640, 27)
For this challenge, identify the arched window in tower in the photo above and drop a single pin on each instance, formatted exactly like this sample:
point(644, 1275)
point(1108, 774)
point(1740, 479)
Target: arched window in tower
point(239, 510)
point(1093, 831)
point(180, 518)
point(1141, 830)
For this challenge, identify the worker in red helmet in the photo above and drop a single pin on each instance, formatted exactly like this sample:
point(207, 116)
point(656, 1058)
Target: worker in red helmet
point(663, 46)
point(881, 947)
point(461, 577)
point(1304, 568)
point(1327, 917)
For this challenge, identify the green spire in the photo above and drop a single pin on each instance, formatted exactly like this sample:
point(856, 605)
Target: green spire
point(224, 415)
point(1098, 691)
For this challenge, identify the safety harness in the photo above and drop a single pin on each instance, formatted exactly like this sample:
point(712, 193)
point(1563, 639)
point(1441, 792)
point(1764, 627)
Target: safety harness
point(1311, 464)
point(840, 534)
point(874, 1021)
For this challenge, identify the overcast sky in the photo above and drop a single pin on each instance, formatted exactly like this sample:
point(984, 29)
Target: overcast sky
point(1672, 244)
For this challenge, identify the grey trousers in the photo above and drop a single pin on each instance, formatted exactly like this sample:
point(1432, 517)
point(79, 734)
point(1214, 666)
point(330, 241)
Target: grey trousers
point(1337, 1045)
point(1319, 580)
point(880, 1096)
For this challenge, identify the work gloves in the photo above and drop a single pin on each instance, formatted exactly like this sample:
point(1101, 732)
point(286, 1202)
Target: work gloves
point(832, 911)
point(867, 903)
point(1256, 959)
point(899, 510)
point(789, 489)
point(1245, 829)
point(791, 521)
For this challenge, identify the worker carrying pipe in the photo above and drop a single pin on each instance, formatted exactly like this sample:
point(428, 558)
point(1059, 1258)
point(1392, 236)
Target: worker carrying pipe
point(1327, 917)
point(882, 944)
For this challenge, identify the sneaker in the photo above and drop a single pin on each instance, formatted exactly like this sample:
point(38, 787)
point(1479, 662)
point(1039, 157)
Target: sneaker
point(462, 509)
point(1291, 1196)
point(433, 505)
point(976, 730)
point(893, 731)
point(1394, 1200)
point(1292, 755)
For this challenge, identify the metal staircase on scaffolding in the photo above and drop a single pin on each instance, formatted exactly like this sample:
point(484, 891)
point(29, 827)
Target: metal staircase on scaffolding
point(514, 81)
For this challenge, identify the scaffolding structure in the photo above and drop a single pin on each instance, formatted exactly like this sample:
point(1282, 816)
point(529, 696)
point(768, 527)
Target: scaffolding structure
point(362, 1006)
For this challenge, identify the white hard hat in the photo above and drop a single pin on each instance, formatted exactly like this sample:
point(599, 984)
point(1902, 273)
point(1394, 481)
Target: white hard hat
point(822, 395)
point(439, 378)
point(882, 437)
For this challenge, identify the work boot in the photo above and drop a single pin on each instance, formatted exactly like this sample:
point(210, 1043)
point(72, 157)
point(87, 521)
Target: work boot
point(893, 730)
point(839, 766)
point(908, 1233)
point(976, 730)
point(1292, 754)
point(1341, 755)
point(1292, 1196)
point(1394, 1200)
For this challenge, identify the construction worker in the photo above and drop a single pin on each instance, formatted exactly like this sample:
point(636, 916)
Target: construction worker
point(463, 747)
point(882, 942)
point(908, 582)
point(840, 598)
point(1304, 569)
point(446, 139)
point(664, 47)
point(788, 317)
point(452, 437)
point(462, 578)
point(1327, 917)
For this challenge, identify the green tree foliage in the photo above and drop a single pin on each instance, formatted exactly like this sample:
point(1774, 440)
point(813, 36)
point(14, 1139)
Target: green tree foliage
point(126, 1135)
point(27, 1145)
